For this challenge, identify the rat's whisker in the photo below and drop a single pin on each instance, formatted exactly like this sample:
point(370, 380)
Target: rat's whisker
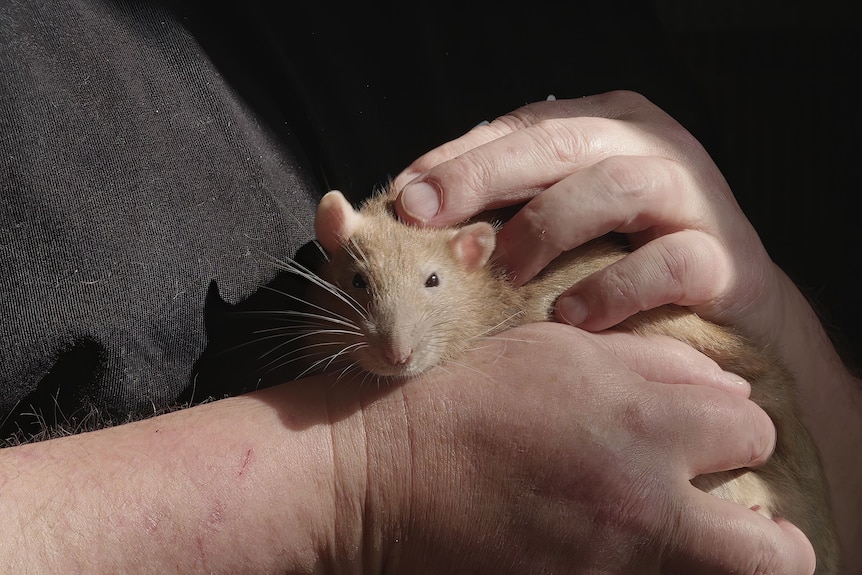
point(471, 368)
point(303, 272)
point(294, 315)
point(512, 339)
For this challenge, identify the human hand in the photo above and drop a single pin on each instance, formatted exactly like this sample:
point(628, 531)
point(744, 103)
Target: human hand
point(616, 162)
point(608, 163)
point(567, 461)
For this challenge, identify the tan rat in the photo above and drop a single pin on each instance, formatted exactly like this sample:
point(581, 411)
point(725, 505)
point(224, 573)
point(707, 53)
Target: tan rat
point(402, 299)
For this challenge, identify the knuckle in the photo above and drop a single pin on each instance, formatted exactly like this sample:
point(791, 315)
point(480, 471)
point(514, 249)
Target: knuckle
point(561, 139)
point(624, 179)
point(640, 419)
point(752, 429)
point(698, 266)
point(624, 288)
point(566, 142)
point(518, 119)
point(538, 223)
point(676, 264)
point(626, 102)
point(629, 96)
point(693, 267)
point(469, 173)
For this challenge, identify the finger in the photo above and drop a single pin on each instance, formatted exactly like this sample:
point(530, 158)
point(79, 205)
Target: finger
point(626, 194)
point(718, 536)
point(515, 167)
point(482, 133)
point(685, 268)
point(667, 360)
point(614, 104)
point(708, 429)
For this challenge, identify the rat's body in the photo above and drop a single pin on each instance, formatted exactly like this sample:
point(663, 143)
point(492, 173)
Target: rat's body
point(419, 297)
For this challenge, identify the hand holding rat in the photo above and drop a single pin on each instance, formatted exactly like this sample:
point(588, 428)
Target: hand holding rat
point(616, 162)
point(570, 463)
point(612, 162)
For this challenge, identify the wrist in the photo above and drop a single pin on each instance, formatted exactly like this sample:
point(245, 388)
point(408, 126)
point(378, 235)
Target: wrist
point(371, 470)
point(391, 476)
point(415, 509)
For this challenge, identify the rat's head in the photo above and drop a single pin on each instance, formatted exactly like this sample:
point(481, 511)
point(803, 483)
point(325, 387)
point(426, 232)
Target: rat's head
point(410, 292)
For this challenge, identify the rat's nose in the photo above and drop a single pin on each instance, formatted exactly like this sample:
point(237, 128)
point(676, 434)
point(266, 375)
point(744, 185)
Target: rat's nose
point(398, 354)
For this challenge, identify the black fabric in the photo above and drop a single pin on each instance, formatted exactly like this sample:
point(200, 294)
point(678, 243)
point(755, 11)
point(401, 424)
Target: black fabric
point(132, 178)
point(155, 155)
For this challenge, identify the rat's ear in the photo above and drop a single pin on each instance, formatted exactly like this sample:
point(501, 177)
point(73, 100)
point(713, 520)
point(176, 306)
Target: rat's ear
point(473, 245)
point(335, 221)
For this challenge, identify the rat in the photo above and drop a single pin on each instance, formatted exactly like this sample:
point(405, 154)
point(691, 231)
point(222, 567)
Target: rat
point(395, 300)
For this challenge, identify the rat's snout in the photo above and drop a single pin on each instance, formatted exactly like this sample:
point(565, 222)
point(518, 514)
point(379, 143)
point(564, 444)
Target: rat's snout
point(389, 348)
point(396, 342)
point(397, 353)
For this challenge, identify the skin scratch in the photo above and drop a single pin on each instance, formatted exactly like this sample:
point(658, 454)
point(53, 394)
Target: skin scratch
point(245, 461)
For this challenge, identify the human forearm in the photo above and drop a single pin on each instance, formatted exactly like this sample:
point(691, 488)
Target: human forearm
point(831, 398)
point(243, 485)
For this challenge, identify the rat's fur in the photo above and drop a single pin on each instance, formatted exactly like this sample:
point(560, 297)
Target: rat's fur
point(410, 298)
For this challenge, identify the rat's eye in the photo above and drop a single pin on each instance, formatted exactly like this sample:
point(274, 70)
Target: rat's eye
point(359, 282)
point(432, 281)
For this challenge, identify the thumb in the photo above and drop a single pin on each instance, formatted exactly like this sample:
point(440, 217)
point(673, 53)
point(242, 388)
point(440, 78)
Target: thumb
point(444, 187)
point(448, 194)
point(482, 178)
point(510, 167)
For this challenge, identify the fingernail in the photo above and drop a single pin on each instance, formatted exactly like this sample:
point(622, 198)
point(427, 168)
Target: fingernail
point(573, 309)
point(733, 383)
point(731, 377)
point(420, 200)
